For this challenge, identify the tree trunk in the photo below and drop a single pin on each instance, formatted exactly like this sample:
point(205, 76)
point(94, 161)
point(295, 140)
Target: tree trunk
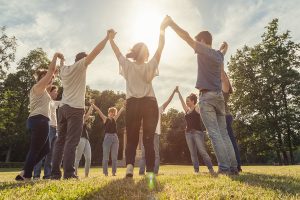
point(8, 153)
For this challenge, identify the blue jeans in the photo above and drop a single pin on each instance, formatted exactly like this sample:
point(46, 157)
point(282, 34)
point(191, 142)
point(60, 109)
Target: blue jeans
point(110, 144)
point(84, 148)
point(229, 120)
point(212, 110)
point(38, 126)
point(157, 158)
point(47, 159)
point(195, 141)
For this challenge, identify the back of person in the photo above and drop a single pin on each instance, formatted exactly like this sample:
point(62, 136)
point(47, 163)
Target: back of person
point(138, 77)
point(74, 83)
point(209, 68)
point(39, 104)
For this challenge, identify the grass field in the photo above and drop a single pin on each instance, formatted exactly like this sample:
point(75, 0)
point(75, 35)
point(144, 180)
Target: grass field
point(174, 182)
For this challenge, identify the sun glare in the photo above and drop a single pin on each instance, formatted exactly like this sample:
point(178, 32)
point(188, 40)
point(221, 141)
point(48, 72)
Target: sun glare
point(146, 27)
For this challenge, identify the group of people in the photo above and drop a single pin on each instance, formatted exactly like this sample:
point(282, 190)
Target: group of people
point(141, 110)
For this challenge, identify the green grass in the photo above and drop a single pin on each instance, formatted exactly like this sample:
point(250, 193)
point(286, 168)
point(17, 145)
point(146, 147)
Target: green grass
point(174, 182)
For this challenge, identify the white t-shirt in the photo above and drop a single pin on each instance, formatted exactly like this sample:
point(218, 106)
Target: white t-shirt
point(53, 106)
point(73, 80)
point(39, 104)
point(138, 77)
point(158, 127)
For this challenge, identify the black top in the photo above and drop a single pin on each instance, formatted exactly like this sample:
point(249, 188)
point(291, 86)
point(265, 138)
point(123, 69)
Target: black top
point(193, 121)
point(110, 126)
point(84, 132)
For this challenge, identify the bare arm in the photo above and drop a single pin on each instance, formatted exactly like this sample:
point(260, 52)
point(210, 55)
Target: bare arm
point(169, 100)
point(225, 81)
point(224, 48)
point(102, 116)
point(119, 113)
point(183, 34)
point(114, 47)
point(91, 56)
point(42, 84)
point(184, 106)
point(161, 42)
point(87, 115)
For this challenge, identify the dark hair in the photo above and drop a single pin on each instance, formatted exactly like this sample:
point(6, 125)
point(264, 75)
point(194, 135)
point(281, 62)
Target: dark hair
point(139, 50)
point(53, 87)
point(193, 98)
point(80, 55)
point(39, 74)
point(204, 35)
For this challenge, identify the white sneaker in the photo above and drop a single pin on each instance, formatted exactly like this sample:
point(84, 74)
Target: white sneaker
point(129, 171)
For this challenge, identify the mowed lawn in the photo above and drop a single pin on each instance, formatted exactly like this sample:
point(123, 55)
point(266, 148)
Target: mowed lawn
point(173, 182)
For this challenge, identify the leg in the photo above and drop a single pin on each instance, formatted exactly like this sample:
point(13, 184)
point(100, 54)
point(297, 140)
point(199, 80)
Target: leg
point(59, 144)
point(74, 128)
point(79, 152)
point(200, 144)
point(193, 151)
point(47, 164)
point(142, 162)
point(209, 118)
point(107, 142)
point(37, 170)
point(156, 150)
point(87, 155)
point(39, 146)
point(114, 153)
point(229, 120)
point(150, 119)
point(133, 124)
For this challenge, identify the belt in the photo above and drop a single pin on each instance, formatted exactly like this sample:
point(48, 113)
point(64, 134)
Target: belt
point(202, 91)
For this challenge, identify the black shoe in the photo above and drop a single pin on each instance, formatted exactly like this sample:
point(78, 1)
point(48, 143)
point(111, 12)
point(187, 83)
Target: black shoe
point(71, 177)
point(55, 177)
point(20, 178)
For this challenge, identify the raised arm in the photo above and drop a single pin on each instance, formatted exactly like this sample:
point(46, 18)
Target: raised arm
point(183, 34)
point(169, 99)
point(184, 106)
point(225, 81)
point(161, 42)
point(119, 113)
point(42, 84)
point(224, 47)
point(102, 116)
point(114, 47)
point(87, 115)
point(91, 56)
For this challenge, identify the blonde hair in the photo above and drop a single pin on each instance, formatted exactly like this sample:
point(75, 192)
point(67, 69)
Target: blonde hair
point(113, 109)
point(139, 52)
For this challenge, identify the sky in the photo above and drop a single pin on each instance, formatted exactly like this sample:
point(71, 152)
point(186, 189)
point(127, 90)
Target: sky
point(72, 26)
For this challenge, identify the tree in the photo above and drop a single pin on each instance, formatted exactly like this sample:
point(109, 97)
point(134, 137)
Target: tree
point(15, 102)
point(7, 52)
point(267, 86)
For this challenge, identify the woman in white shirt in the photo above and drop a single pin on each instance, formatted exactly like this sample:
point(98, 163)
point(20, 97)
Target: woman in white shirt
point(38, 120)
point(141, 102)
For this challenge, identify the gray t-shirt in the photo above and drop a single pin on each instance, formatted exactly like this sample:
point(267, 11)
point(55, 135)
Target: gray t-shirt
point(209, 68)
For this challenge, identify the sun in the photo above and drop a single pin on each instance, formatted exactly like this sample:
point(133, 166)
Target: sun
point(146, 27)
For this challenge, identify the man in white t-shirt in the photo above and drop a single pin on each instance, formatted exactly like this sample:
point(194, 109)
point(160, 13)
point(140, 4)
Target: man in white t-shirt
point(71, 111)
point(161, 109)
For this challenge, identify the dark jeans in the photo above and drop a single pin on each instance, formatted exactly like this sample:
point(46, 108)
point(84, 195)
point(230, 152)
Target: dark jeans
point(47, 159)
point(38, 126)
point(70, 124)
point(137, 110)
point(229, 120)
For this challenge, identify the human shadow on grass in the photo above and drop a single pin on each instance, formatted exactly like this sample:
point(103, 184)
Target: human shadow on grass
point(285, 184)
point(12, 185)
point(126, 188)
